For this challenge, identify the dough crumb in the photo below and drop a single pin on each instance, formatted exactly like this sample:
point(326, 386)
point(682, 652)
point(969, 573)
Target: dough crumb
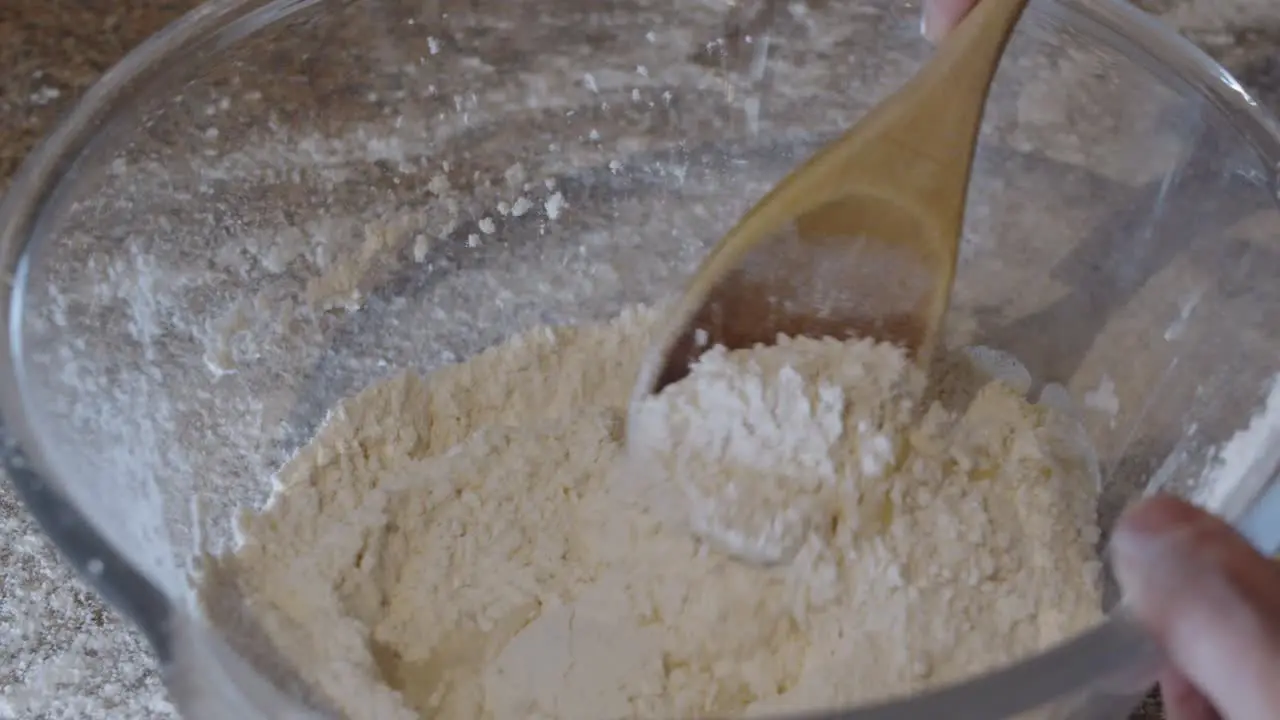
point(554, 206)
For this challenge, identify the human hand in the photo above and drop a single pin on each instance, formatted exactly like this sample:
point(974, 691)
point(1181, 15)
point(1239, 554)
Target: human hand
point(939, 16)
point(1213, 603)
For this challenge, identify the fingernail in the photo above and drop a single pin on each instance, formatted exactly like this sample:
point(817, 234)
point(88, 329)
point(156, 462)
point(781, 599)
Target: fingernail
point(1158, 514)
point(1133, 549)
point(1153, 548)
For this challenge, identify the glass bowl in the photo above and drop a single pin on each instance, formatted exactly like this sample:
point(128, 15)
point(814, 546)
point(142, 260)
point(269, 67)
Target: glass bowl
point(177, 326)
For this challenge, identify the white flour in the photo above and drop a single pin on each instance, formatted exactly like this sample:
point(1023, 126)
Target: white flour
point(462, 547)
point(1241, 468)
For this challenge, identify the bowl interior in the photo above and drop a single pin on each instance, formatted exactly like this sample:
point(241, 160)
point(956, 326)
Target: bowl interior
point(314, 196)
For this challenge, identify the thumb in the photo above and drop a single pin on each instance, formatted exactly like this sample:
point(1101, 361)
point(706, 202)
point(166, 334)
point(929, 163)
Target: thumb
point(1209, 598)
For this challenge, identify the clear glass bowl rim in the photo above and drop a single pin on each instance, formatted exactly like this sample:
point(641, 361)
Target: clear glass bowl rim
point(1112, 649)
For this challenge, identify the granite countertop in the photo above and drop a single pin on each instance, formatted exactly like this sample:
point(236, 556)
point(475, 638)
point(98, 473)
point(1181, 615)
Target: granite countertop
point(63, 654)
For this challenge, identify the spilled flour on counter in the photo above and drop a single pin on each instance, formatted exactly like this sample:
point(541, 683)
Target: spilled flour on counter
point(473, 544)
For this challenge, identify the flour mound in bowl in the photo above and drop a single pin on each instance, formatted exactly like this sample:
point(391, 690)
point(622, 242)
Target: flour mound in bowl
point(478, 544)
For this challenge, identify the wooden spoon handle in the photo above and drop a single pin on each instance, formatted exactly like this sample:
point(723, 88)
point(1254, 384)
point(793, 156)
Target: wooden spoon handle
point(919, 145)
point(955, 83)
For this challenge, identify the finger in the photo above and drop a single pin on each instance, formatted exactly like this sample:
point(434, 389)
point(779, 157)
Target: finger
point(1210, 599)
point(1181, 699)
point(939, 17)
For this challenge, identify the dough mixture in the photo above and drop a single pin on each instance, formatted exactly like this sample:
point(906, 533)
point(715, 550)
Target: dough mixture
point(476, 544)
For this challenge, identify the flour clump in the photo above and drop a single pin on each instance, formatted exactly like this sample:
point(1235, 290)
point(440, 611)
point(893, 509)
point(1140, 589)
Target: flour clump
point(480, 544)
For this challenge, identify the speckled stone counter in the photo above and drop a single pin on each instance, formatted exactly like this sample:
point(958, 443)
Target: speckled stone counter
point(63, 654)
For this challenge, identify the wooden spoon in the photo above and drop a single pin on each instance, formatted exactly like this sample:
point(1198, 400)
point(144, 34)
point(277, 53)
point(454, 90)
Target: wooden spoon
point(862, 239)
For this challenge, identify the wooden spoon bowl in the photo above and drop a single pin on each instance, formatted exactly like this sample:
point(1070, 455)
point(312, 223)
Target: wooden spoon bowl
point(861, 240)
